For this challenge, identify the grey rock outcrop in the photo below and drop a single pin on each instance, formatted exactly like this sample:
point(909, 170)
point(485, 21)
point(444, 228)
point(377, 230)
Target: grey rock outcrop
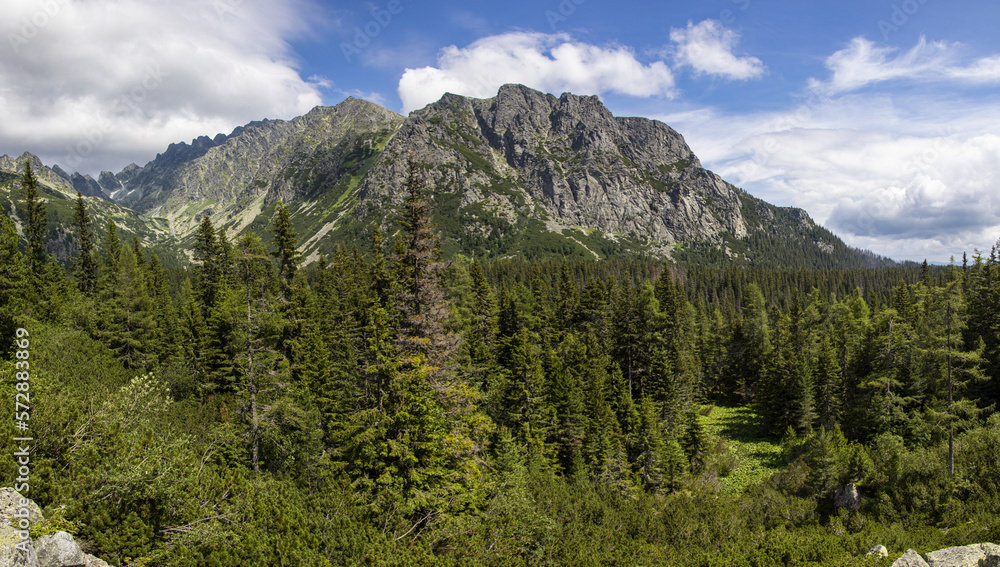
point(879, 550)
point(910, 559)
point(11, 555)
point(847, 496)
point(55, 177)
point(13, 510)
point(53, 550)
point(59, 550)
point(86, 185)
point(976, 555)
point(95, 561)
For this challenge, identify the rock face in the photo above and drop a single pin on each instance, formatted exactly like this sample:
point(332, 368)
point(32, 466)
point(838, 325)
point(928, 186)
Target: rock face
point(567, 159)
point(848, 497)
point(52, 550)
point(520, 168)
point(262, 161)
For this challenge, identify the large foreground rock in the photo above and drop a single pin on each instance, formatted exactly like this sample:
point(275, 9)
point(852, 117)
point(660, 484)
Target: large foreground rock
point(976, 555)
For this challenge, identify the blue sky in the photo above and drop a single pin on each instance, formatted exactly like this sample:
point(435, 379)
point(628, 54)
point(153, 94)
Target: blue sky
point(877, 117)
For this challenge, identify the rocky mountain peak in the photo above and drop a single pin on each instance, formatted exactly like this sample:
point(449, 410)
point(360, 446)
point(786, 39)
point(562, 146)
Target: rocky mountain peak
point(522, 172)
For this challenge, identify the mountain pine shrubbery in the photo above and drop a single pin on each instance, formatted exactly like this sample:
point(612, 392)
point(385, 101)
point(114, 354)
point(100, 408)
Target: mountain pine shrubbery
point(395, 409)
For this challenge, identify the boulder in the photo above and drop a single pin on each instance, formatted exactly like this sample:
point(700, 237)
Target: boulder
point(10, 503)
point(879, 550)
point(910, 559)
point(847, 496)
point(59, 550)
point(95, 561)
point(976, 555)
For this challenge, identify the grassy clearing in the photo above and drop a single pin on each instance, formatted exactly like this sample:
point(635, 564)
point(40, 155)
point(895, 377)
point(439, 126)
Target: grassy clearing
point(758, 456)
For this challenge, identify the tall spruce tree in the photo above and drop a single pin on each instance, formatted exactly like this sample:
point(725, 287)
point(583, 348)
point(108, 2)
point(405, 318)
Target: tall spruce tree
point(423, 300)
point(261, 372)
point(285, 243)
point(35, 217)
point(84, 263)
point(209, 256)
point(127, 322)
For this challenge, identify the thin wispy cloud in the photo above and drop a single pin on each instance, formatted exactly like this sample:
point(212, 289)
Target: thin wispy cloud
point(863, 63)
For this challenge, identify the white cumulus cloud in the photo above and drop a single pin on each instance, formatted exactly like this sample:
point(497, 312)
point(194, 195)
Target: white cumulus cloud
point(708, 48)
point(95, 84)
point(548, 62)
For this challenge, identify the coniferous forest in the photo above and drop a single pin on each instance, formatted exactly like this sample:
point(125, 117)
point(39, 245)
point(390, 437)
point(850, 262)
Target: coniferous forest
point(387, 406)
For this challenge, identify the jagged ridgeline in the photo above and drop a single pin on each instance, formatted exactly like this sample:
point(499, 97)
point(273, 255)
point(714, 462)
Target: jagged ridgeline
point(523, 173)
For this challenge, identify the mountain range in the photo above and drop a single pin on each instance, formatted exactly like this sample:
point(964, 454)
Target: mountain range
point(523, 173)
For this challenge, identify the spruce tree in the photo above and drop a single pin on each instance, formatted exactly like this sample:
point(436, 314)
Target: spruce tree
point(127, 322)
point(167, 319)
point(566, 370)
point(209, 256)
point(422, 299)
point(195, 338)
point(260, 370)
point(651, 448)
point(285, 244)
point(35, 220)
point(829, 386)
point(84, 264)
point(481, 338)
